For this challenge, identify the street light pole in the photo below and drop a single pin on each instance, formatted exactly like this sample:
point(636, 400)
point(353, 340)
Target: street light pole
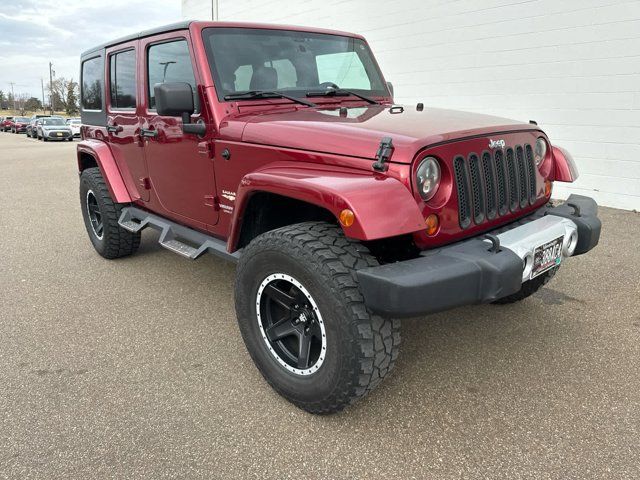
point(42, 84)
point(166, 65)
point(51, 87)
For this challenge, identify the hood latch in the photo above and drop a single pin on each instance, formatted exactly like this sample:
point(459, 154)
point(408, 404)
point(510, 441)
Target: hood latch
point(383, 155)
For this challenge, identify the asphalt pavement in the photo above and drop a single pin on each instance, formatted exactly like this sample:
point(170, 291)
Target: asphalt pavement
point(135, 368)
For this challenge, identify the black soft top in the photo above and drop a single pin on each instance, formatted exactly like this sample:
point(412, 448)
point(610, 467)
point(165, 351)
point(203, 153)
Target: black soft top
point(134, 36)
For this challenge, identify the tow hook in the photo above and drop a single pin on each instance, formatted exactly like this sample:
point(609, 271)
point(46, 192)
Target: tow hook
point(495, 243)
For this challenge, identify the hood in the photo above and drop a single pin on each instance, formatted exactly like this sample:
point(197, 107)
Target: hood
point(358, 133)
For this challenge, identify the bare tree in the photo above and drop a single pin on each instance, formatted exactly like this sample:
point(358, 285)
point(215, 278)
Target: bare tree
point(64, 95)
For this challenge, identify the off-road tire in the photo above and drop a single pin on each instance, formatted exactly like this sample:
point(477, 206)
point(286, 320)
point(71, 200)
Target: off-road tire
point(361, 347)
point(528, 288)
point(116, 241)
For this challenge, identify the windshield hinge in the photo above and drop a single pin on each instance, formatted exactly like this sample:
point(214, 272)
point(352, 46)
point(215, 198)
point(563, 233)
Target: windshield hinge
point(383, 155)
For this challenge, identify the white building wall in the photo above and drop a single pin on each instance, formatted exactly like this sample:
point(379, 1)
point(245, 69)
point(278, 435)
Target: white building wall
point(572, 65)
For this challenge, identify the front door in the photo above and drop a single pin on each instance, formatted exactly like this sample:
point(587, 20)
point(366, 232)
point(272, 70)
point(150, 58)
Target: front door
point(123, 119)
point(180, 169)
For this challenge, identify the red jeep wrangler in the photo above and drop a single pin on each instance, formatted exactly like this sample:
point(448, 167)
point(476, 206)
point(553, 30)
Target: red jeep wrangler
point(281, 149)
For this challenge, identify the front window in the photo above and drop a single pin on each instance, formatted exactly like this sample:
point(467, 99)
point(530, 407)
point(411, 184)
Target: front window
point(22, 119)
point(294, 62)
point(170, 62)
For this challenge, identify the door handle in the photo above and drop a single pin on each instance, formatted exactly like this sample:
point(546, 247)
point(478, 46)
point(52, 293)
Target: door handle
point(114, 128)
point(148, 133)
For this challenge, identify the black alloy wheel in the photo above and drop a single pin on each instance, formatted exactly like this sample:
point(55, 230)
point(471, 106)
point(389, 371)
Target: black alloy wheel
point(291, 324)
point(95, 216)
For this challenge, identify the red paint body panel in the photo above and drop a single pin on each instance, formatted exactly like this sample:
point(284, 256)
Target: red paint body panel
point(359, 133)
point(312, 154)
point(108, 167)
point(564, 166)
point(336, 189)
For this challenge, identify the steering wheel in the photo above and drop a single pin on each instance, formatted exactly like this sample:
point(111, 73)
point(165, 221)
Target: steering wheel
point(328, 85)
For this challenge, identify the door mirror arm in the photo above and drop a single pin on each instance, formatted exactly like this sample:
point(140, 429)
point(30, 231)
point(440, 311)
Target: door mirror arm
point(199, 128)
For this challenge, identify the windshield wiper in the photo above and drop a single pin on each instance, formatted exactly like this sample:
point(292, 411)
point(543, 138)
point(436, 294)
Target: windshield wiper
point(335, 90)
point(266, 94)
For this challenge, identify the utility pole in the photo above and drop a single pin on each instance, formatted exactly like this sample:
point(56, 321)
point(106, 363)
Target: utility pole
point(51, 87)
point(13, 95)
point(42, 84)
point(214, 10)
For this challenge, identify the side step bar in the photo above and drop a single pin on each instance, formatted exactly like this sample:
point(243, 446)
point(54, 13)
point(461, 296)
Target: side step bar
point(175, 237)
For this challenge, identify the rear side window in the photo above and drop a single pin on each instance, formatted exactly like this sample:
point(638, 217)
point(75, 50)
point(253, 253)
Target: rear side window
point(92, 71)
point(167, 63)
point(122, 80)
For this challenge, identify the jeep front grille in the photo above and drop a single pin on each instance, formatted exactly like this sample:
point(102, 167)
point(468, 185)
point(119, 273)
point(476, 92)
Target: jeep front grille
point(493, 184)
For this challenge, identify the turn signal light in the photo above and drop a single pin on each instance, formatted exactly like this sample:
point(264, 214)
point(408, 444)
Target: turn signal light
point(432, 223)
point(346, 217)
point(547, 188)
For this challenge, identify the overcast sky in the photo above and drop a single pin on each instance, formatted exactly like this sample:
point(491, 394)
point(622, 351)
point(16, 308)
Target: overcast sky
point(36, 32)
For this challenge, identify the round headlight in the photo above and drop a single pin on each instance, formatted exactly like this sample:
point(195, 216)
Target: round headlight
point(428, 178)
point(540, 152)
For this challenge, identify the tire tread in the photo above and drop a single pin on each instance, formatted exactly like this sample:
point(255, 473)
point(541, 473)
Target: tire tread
point(337, 258)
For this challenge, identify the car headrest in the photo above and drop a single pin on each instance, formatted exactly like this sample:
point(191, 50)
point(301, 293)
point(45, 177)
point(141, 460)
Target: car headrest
point(264, 78)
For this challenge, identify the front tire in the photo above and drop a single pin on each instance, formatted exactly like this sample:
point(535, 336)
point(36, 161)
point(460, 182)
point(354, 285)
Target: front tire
point(101, 216)
point(303, 318)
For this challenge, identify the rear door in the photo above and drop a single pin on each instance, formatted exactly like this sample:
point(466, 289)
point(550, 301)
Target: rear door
point(123, 118)
point(180, 168)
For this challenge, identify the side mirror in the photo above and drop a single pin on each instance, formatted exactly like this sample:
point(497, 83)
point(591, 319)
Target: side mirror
point(176, 100)
point(390, 87)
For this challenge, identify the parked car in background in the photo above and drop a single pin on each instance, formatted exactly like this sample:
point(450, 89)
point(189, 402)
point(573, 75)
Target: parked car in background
point(32, 130)
point(20, 124)
point(74, 124)
point(5, 126)
point(31, 127)
point(53, 128)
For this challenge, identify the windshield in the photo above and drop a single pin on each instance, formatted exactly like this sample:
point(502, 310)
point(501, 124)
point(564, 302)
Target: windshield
point(52, 121)
point(22, 119)
point(294, 62)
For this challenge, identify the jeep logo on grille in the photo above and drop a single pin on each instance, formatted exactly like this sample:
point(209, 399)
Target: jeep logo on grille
point(496, 143)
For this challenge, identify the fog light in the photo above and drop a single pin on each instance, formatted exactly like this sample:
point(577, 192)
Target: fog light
point(346, 217)
point(432, 223)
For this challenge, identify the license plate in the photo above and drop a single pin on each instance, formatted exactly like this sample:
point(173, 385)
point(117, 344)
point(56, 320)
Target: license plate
point(59, 134)
point(547, 256)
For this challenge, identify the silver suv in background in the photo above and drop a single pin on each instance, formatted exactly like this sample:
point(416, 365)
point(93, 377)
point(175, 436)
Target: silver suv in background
point(53, 128)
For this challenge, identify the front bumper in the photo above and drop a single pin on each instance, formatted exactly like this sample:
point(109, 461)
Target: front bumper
point(472, 271)
point(58, 135)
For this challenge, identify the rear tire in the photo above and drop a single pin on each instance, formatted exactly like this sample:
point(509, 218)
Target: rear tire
point(101, 216)
point(315, 264)
point(528, 288)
